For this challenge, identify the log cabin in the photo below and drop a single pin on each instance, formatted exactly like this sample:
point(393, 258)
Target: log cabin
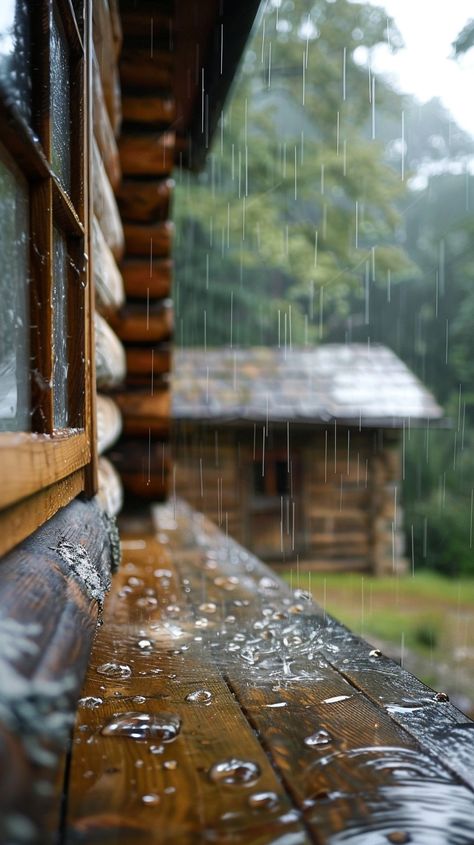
point(200, 700)
point(298, 453)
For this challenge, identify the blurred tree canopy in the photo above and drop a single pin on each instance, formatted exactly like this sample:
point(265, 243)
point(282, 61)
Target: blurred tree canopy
point(298, 203)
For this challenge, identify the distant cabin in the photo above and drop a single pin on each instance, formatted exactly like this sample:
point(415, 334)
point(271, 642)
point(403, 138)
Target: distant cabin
point(298, 454)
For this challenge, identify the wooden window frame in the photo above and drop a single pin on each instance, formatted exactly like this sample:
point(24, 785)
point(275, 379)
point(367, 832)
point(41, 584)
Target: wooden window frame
point(45, 468)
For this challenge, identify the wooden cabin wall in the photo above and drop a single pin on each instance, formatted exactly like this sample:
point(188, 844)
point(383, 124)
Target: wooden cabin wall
point(344, 512)
point(351, 486)
point(144, 323)
point(208, 473)
point(107, 242)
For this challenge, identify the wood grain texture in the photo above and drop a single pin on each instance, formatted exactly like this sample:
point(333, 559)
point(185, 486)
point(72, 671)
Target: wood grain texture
point(105, 206)
point(147, 279)
point(103, 132)
point(110, 802)
point(142, 363)
point(152, 240)
point(110, 492)
point(138, 108)
point(106, 46)
point(145, 201)
point(109, 288)
point(137, 324)
point(144, 413)
point(142, 69)
point(138, 24)
point(32, 461)
point(147, 154)
point(44, 648)
point(110, 362)
point(109, 423)
point(144, 466)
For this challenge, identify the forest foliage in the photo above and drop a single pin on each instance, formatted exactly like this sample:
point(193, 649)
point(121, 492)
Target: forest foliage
point(334, 208)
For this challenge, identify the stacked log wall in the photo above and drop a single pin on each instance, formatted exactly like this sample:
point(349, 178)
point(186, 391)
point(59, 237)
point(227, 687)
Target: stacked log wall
point(144, 323)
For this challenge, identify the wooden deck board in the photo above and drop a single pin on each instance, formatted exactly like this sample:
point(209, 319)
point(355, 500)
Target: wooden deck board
point(278, 671)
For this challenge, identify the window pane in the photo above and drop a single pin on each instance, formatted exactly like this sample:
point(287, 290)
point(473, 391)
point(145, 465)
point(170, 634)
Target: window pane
point(14, 53)
point(60, 102)
point(14, 298)
point(60, 330)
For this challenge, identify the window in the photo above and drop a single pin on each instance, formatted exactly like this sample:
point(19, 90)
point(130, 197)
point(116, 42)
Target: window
point(46, 443)
point(271, 478)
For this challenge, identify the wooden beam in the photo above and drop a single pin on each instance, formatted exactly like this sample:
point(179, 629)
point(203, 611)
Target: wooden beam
point(152, 240)
point(144, 413)
point(137, 324)
point(106, 47)
point(145, 362)
point(144, 466)
point(109, 423)
point(44, 651)
point(145, 279)
point(138, 108)
point(109, 289)
point(145, 70)
point(147, 154)
point(110, 492)
point(110, 356)
point(103, 131)
point(145, 201)
point(105, 206)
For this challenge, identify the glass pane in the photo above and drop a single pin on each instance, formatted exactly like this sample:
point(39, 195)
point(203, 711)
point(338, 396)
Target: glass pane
point(14, 53)
point(60, 330)
point(14, 296)
point(60, 102)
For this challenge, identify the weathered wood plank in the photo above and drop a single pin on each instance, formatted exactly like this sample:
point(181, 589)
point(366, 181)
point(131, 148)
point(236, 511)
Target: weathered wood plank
point(110, 492)
point(152, 240)
point(137, 324)
point(147, 154)
point(109, 288)
point(110, 363)
point(105, 206)
point(44, 649)
point(143, 69)
point(106, 48)
point(109, 423)
point(147, 279)
point(145, 201)
point(145, 413)
point(103, 132)
point(138, 108)
point(145, 362)
point(153, 790)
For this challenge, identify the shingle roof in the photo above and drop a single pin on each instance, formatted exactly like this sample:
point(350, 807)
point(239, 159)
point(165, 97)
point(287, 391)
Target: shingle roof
point(351, 383)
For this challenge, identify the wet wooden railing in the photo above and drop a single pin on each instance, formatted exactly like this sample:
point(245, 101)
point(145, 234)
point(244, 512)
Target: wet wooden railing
point(220, 706)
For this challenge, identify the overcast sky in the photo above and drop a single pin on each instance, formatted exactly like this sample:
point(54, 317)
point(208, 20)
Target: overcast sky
point(425, 67)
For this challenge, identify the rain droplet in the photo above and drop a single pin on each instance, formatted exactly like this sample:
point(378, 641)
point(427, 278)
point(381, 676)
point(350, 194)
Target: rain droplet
point(170, 765)
point(199, 696)
point(227, 583)
point(90, 701)
point(441, 696)
point(143, 726)
point(375, 653)
point(399, 837)
point(234, 772)
point(208, 607)
point(292, 640)
point(151, 799)
point(156, 749)
point(145, 645)
point(263, 800)
point(114, 670)
point(321, 737)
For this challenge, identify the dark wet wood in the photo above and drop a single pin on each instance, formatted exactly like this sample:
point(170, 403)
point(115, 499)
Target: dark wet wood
point(52, 656)
point(144, 69)
point(144, 466)
point(369, 780)
point(109, 801)
point(145, 201)
point(139, 324)
point(147, 154)
point(145, 412)
point(144, 278)
point(138, 108)
point(153, 239)
point(143, 363)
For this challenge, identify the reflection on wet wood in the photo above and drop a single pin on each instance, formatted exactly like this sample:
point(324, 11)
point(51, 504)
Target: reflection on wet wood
point(161, 785)
point(198, 630)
